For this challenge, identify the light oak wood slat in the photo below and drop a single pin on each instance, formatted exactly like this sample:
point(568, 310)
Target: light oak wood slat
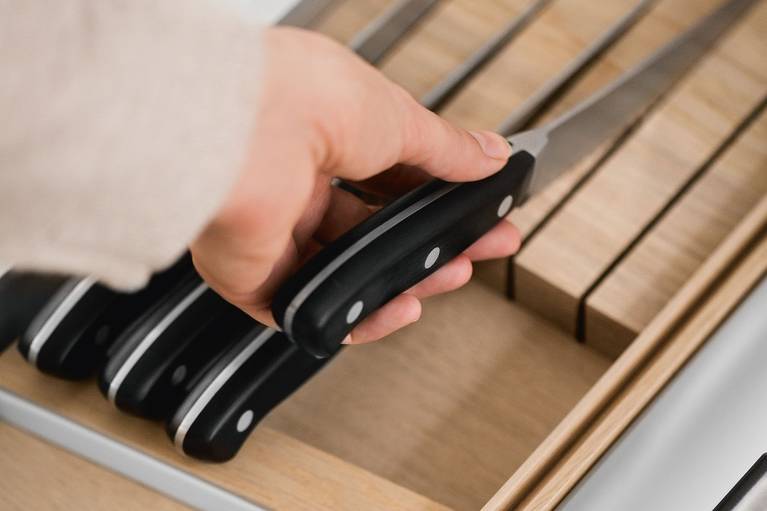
point(477, 383)
point(450, 406)
point(650, 381)
point(665, 19)
point(37, 475)
point(535, 56)
point(558, 266)
point(567, 433)
point(452, 33)
point(345, 21)
point(510, 78)
point(627, 300)
point(273, 469)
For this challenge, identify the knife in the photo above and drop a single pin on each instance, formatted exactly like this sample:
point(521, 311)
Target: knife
point(166, 346)
point(524, 115)
point(22, 295)
point(408, 240)
point(380, 36)
point(237, 391)
point(71, 335)
point(171, 343)
point(293, 364)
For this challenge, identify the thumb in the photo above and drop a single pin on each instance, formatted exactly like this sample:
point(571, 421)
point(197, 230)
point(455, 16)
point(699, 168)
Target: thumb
point(448, 152)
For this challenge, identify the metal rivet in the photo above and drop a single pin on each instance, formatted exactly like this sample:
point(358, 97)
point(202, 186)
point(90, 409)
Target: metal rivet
point(245, 420)
point(354, 312)
point(178, 375)
point(505, 206)
point(431, 258)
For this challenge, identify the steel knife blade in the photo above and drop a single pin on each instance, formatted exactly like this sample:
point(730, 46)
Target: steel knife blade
point(412, 237)
point(524, 115)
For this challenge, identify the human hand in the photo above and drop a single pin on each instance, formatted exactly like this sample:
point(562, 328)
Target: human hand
point(325, 113)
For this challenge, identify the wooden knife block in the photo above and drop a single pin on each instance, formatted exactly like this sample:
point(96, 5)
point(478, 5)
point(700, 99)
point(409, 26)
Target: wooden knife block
point(487, 401)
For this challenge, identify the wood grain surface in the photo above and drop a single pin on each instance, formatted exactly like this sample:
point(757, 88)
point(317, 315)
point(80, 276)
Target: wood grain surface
point(345, 20)
point(442, 413)
point(478, 382)
point(664, 20)
point(643, 389)
point(442, 42)
point(273, 469)
point(37, 476)
point(558, 267)
point(539, 467)
point(545, 47)
point(659, 265)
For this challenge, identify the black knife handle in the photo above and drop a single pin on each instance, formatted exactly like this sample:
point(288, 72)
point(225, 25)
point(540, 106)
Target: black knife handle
point(51, 335)
point(78, 335)
point(135, 376)
point(161, 378)
point(394, 249)
point(22, 295)
point(235, 393)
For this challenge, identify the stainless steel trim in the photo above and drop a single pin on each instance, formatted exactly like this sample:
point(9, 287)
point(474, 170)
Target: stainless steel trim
point(118, 457)
point(699, 434)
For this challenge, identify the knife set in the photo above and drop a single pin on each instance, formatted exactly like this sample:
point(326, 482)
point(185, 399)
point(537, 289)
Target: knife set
point(174, 351)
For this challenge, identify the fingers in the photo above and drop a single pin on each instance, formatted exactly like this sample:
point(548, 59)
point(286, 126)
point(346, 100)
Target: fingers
point(502, 240)
point(395, 181)
point(406, 308)
point(253, 299)
point(344, 211)
point(450, 277)
point(398, 313)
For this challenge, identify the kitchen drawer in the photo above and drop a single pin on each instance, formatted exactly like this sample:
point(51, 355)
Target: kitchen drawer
point(507, 391)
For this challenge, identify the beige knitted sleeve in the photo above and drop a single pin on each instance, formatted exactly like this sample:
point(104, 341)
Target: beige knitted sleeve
point(123, 124)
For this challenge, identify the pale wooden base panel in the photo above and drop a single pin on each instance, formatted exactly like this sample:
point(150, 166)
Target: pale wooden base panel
point(568, 432)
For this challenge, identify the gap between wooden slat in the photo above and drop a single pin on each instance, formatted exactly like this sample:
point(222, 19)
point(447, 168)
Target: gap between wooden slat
point(696, 176)
point(688, 337)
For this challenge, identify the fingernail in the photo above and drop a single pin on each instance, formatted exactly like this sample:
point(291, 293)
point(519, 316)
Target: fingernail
point(347, 339)
point(495, 146)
